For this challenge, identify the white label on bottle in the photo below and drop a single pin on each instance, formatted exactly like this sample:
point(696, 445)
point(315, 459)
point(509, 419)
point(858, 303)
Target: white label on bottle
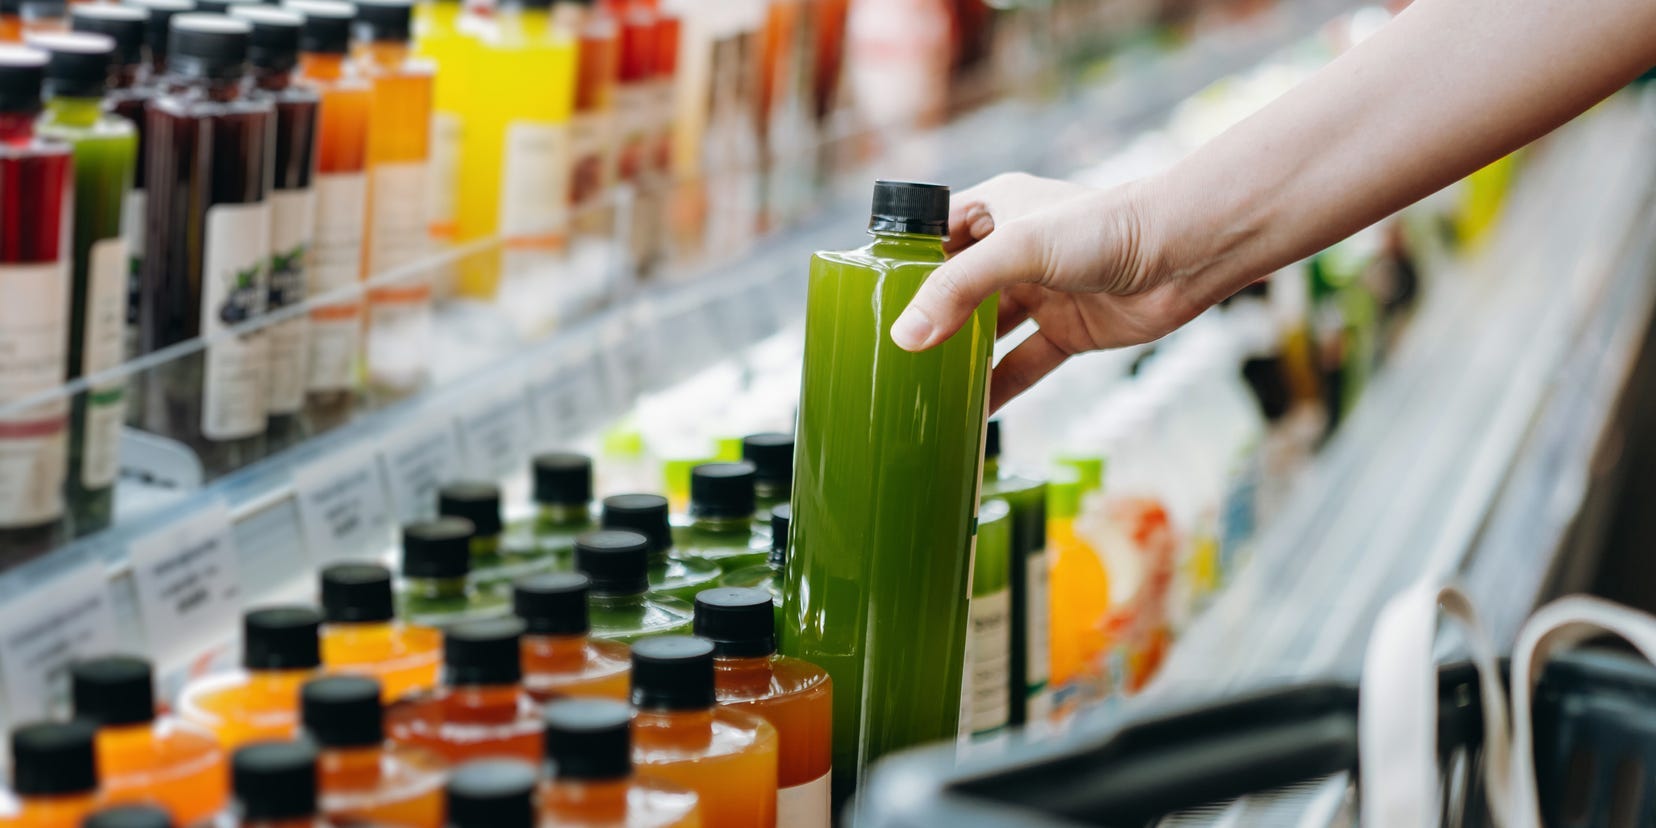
point(591, 161)
point(807, 805)
point(132, 230)
point(293, 225)
point(991, 643)
point(342, 506)
point(535, 171)
point(336, 264)
point(33, 344)
point(418, 460)
point(47, 628)
point(441, 191)
point(187, 580)
point(397, 223)
point(235, 286)
point(102, 349)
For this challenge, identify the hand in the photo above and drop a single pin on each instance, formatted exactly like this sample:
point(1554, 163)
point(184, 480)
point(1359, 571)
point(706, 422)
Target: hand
point(1078, 261)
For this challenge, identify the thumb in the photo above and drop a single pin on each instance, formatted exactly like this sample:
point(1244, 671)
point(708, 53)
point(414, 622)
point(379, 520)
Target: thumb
point(1008, 256)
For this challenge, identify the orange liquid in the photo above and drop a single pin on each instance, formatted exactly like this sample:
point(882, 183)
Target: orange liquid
point(797, 698)
point(245, 707)
point(555, 667)
point(633, 803)
point(169, 763)
point(597, 70)
point(404, 658)
point(1079, 600)
point(728, 757)
point(51, 812)
point(396, 787)
point(465, 723)
point(11, 28)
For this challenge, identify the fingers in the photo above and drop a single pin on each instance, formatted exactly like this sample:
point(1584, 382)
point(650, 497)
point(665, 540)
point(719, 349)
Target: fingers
point(950, 295)
point(1025, 365)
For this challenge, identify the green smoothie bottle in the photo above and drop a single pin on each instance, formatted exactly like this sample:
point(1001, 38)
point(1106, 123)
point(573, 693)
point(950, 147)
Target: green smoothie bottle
point(563, 506)
point(985, 696)
point(1027, 672)
point(106, 151)
point(621, 606)
point(671, 575)
point(772, 457)
point(768, 575)
point(721, 527)
point(437, 589)
point(494, 562)
point(886, 470)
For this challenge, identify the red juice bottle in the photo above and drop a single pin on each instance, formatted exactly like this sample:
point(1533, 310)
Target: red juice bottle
point(482, 710)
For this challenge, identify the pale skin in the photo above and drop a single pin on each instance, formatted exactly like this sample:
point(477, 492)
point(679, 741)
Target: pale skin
point(1445, 88)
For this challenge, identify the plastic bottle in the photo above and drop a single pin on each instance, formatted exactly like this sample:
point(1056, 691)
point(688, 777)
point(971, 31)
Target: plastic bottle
point(560, 658)
point(365, 779)
point(494, 563)
point(105, 152)
point(1080, 597)
point(34, 275)
point(885, 488)
point(280, 652)
point(11, 21)
point(592, 136)
point(772, 457)
point(1028, 673)
point(129, 816)
point(563, 505)
point(437, 38)
point(623, 608)
point(437, 589)
point(223, 6)
point(795, 696)
point(635, 108)
point(767, 576)
point(681, 735)
point(361, 634)
point(481, 710)
point(275, 785)
point(54, 775)
point(721, 529)
point(986, 688)
point(143, 757)
point(670, 574)
point(589, 749)
point(492, 793)
point(206, 258)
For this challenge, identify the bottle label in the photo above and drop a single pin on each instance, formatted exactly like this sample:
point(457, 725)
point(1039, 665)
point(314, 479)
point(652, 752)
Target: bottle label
point(102, 350)
point(538, 158)
point(984, 708)
point(662, 112)
point(33, 343)
point(592, 161)
point(397, 215)
point(633, 113)
point(807, 805)
point(441, 210)
point(293, 224)
point(132, 231)
point(235, 287)
point(336, 264)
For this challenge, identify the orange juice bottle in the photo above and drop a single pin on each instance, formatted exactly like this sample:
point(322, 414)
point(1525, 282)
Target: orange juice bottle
point(54, 775)
point(481, 711)
point(341, 184)
point(141, 757)
point(589, 748)
point(129, 816)
point(559, 656)
point(280, 652)
point(275, 785)
point(399, 156)
point(362, 635)
point(681, 735)
point(795, 696)
point(492, 793)
point(364, 779)
point(1079, 601)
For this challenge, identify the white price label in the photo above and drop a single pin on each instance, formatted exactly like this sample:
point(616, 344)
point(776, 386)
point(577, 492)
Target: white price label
point(343, 508)
point(419, 459)
point(496, 436)
point(47, 628)
point(566, 400)
point(188, 582)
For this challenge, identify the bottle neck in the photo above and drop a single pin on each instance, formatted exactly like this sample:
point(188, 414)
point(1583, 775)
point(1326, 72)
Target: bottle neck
point(918, 247)
point(673, 726)
point(351, 767)
point(991, 468)
point(435, 588)
point(483, 702)
point(17, 127)
point(273, 80)
point(81, 112)
point(527, 24)
point(746, 674)
point(563, 515)
point(591, 800)
point(554, 651)
point(124, 77)
point(382, 55)
point(441, 17)
point(722, 524)
point(615, 600)
point(278, 681)
point(324, 66)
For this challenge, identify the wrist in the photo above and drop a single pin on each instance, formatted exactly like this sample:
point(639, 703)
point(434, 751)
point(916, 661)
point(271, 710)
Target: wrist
point(1205, 242)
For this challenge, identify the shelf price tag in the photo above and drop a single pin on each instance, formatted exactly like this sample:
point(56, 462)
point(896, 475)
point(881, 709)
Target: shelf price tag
point(496, 436)
point(188, 581)
point(567, 399)
point(44, 630)
point(343, 508)
point(419, 459)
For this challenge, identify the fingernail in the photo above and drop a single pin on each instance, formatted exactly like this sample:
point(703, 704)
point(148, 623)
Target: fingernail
point(911, 330)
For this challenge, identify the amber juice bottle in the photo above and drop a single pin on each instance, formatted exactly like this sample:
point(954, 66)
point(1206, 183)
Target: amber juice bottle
point(53, 774)
point(589, 749)
point(365, 780)
point(560, 658)
point(280, 652)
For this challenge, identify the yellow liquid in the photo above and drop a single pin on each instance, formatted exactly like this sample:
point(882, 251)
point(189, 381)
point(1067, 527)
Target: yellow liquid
point(520, 85)
point(438, 40)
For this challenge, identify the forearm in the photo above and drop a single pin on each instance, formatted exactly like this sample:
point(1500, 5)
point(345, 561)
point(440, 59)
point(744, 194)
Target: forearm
point(1447, 87)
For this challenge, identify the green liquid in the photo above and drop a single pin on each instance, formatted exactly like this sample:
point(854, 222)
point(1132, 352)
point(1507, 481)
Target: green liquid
point(551, 535)
point(497, 561)
point(627, 618)
point(1030, 606)
point(681, 578)
point(105, 148)
point(447, 602)
point(729, 544)
point(886, 466)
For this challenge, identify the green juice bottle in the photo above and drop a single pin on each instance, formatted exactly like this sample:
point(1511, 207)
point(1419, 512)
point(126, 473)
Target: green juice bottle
point(886, 472)
point(721, 527)
point(985, 696)
point(437, 589)
point(563, 506)
point(671, 575)
point(1028, 672)
point(621, 606)
point(494, 562)
point(768, 575)
point(106, 151)
point(772, 457)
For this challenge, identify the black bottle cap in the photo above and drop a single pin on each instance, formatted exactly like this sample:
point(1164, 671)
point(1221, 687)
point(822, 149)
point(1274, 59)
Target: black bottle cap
point(781, 517)
point(553, 604)
point(645, 514)
point(208, 46)
point(158, 29)
point(327, 28)
point(125, 25)
point(113, 690)
point(342, 711)
point(526, 4)
point(772, 457)
point(274, 44)
point(274, 780)
point(438, 548)
point(563, 478)
point(492, 793)
point(910, 207)
point(476, 502)
point(589, 739)
point(672, 672)
point(129, 816)
point(77, 64)
point(22, 71)
point(281, 638)
point(383, 21)
point(355, 593)
point(223, 6)
point(53, 759)
point(740, 622)
point(483, 653)
point(722, 490)
point(617, 561)
point(991, 441)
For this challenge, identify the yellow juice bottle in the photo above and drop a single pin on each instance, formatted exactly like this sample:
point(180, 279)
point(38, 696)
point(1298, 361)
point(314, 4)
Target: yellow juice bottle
point(438, 40)
point(280, 652)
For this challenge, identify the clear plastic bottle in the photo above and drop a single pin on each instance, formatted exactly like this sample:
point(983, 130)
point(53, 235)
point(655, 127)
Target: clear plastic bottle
point(669, 574)
point(437, 588)
point(589, 749)
point(492, 793)
point(364, 778)
point(622, 606)
point(361, 634)
point(53, 774)
point(280, 652)
point(481, 710)
point(276, 786)
point(768, 575)
point(771, 454)
point(721, 529)
point(563, 506)
point(495, 564)
point(560, 658)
